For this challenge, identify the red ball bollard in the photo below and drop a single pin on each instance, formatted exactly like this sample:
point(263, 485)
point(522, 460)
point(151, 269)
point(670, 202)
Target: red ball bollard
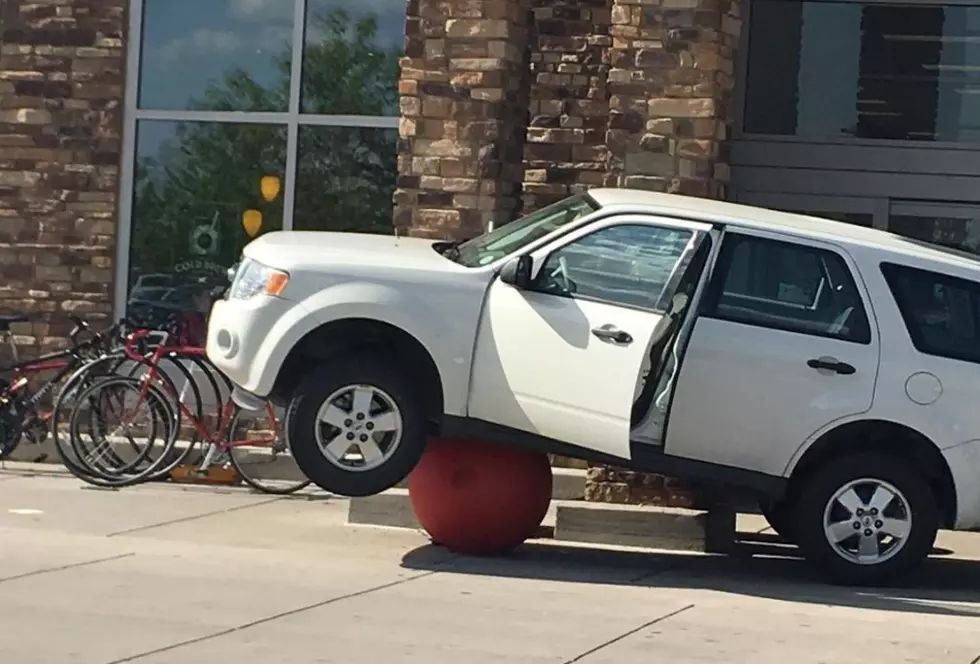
point(480, 498)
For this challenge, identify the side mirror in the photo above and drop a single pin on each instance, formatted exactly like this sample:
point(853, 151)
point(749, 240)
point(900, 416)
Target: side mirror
point(517, 271)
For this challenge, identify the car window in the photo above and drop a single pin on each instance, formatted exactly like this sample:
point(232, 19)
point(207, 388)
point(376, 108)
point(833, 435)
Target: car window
point(787, 286)
point(942, 313)
point(627, 264)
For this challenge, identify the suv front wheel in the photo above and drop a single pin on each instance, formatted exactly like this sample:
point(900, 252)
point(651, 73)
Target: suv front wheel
point(357, 426)
point(866, 519)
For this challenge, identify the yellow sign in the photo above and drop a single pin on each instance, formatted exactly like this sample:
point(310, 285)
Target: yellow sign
point(252, 222)
point(270, 187)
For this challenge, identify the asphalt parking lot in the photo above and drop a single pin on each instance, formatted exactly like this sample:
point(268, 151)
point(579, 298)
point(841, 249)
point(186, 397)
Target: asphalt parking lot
point(167, 574)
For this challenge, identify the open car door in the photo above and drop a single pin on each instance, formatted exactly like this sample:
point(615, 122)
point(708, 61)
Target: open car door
point(561, 355)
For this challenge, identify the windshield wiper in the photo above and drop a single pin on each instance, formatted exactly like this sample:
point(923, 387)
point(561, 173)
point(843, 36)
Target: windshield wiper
point(449, 249)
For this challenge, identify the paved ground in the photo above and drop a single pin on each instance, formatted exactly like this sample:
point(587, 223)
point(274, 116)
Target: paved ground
point(164, 574)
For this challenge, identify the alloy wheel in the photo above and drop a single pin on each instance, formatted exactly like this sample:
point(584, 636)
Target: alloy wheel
point(358, 428)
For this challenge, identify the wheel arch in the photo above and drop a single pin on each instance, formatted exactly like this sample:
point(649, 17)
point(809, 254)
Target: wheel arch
point(352, 335)
point(887, 437)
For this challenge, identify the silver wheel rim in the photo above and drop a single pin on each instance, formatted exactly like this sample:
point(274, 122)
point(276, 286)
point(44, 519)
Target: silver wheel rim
point(867, 521)
point(358, 428)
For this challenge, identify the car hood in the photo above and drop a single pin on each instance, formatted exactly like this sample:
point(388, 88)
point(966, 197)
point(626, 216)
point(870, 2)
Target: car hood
point(320, 250)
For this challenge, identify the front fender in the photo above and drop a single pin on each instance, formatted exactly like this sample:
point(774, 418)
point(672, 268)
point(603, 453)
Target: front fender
point(379, 302)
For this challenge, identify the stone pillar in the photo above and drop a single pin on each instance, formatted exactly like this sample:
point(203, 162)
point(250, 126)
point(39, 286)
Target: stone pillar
point(670, 89)
point(463, 91)
point(670, 84)
point(61, 89)
point(566, 140)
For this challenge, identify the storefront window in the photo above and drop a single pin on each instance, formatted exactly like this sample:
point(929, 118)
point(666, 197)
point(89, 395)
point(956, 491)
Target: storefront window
point(833, 70)
point(225, 148)
point(350, 58)
point(230, 55)
point(202, 191)
point(345, 179)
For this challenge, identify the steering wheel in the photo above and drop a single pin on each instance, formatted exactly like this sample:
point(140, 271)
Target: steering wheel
point(561, 270)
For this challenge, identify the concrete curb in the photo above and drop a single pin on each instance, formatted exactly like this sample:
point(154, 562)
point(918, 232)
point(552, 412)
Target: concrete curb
point(588, 523)
point(670, 528)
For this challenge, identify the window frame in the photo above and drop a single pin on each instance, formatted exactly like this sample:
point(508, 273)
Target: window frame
point(699, 233)
point(292, 119)
point(972, 288)
point(730, 242)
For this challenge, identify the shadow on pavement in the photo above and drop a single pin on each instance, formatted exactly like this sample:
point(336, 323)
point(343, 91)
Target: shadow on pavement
point(764, 569)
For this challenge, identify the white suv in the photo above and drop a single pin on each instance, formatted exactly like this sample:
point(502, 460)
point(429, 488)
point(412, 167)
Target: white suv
point(831, 370)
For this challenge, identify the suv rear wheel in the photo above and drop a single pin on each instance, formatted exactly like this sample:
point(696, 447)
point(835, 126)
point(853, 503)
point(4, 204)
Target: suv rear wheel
point(866, 519)
point(357, 426)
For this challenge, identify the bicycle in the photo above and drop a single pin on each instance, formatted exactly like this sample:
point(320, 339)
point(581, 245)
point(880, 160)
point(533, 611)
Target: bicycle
point(266, 444)
point(21, 412)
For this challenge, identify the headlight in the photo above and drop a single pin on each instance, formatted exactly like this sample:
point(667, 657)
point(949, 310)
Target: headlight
point(253, 278)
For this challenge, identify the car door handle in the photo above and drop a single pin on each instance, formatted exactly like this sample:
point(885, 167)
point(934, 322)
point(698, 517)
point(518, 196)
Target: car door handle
point(612, 333)
point(831, 364)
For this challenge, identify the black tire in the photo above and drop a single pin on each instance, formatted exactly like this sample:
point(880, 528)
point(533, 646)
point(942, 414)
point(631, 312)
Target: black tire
point(165, 418)
point(780, 516)
point(822, 485)
point(311, 395)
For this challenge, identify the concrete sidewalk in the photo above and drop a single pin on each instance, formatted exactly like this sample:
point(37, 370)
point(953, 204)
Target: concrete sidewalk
point(174, 574)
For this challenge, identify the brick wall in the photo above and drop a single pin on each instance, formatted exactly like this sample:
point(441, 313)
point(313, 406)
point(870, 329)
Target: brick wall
point(61, 87)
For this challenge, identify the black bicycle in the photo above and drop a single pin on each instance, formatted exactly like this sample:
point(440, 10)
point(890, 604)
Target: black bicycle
point(22, 410)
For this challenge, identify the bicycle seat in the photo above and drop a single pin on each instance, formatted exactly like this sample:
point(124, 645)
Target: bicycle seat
point(7, 321)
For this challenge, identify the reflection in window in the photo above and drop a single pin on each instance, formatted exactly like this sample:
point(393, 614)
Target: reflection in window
point(229, 55)
point(841, 69)
point(345, 179)
point(955, 232)
point(942, 314)
point(627, 264)
point(350, 58)
point(790, 287)
point(199, 198)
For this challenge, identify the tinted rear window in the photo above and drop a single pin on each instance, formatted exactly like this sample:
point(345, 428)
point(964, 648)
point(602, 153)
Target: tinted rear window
point(942, 313)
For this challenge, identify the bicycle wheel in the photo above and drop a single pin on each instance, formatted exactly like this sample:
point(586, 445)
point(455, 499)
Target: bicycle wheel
point(122, 410)
point(258, 450)
point(187, 401)
point(66, 401)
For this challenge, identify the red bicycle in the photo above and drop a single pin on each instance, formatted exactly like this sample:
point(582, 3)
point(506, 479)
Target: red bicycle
point(252, 443)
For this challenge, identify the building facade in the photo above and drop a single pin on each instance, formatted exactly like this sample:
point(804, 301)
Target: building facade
point(144, 142)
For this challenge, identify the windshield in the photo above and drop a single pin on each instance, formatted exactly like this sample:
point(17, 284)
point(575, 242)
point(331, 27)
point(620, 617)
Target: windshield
point(517, 234)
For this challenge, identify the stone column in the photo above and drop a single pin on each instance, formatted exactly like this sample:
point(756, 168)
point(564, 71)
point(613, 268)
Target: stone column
point(670, 89)
point(670, 84)
point(463, 94)
point(61, 89)
point(566, 140)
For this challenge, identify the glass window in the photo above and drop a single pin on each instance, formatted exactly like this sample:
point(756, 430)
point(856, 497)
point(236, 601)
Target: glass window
point(954, 232)
point(790, 287)
point(223, 55)
point(511, 237)
point(345, 179)
point(834, 70)
point(628, 264)
point(942, 313)
point(202, 191)
point(350, 57)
